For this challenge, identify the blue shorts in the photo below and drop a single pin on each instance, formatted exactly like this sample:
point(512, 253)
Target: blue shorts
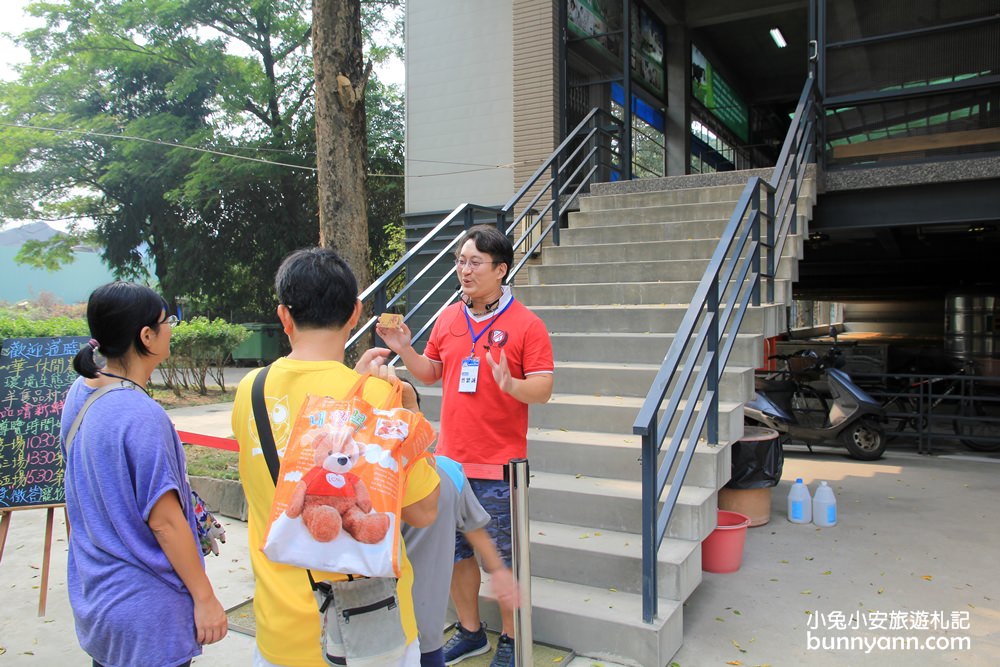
point(494, 496)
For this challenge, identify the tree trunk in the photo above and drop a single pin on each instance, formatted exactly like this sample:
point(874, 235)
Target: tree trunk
point(341, 143)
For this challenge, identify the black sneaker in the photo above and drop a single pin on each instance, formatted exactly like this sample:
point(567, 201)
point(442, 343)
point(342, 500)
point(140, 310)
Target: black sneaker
point(504, 657)
point(464, 644)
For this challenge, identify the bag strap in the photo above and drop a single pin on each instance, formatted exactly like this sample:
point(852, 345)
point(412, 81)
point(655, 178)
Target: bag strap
point(264, 433)
point(100, 391)
point(266, 436)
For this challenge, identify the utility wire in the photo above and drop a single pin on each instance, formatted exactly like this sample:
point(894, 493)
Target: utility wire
point(170, 144)
point(157, 142)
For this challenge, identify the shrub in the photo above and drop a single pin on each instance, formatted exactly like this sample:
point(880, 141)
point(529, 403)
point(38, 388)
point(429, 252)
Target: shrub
point(198, 351)
point(22, 327)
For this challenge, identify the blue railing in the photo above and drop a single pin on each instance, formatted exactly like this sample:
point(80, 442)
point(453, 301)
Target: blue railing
point(704, 340)
point(590, 152)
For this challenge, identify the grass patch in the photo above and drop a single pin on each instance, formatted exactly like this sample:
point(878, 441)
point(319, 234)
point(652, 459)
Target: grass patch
point(166, 397)
point(202, 461)
point(214, 463)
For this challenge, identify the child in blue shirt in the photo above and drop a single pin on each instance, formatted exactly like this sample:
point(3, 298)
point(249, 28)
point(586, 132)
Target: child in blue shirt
point(432, 553)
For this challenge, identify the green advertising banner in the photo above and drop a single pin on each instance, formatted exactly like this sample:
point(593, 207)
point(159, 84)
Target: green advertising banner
point(712, 90)
point(647, 50)
point(597, 18)
point(600, 22)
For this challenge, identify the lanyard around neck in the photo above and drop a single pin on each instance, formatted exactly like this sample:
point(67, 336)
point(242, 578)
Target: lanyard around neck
point(474, 335)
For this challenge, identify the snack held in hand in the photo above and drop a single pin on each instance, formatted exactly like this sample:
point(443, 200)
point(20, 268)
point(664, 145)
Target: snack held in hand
point(390, 320)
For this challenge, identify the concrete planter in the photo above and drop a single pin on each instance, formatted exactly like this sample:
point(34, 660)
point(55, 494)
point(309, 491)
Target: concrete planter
point(223, 496)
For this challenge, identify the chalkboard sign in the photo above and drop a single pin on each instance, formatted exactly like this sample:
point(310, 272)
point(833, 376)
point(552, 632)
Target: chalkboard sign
point(35, 374)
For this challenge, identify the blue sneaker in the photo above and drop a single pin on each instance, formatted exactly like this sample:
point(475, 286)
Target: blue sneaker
point(464, 644)
point(504, 657)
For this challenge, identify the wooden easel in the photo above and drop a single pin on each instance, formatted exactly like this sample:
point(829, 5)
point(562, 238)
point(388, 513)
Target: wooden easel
point(47, 549)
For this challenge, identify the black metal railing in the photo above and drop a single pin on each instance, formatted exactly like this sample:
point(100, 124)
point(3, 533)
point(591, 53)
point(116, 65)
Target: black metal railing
point(532, 216)
point(940, 408)
point(704, 340)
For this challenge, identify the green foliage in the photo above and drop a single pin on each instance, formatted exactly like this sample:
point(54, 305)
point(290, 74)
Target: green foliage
point(199, 349)
point(386, 231)
point(125, 88)
point(22, 327)
point(51, 253)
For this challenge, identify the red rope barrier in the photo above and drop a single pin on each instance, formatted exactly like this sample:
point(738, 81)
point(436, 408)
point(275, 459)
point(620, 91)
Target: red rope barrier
point(203, 440)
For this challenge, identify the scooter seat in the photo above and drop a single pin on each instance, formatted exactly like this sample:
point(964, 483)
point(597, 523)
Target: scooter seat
point(773, 386)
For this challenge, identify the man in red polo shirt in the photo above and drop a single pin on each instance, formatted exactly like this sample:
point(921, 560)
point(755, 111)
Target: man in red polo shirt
point(494, 358)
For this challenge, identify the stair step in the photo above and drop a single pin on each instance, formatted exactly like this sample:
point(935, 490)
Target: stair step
point(666, 185)
point(625, 347)
point(721, 210)
point(612, 559)
point(644, 252)
point(616, 456)
point(615, 379)
point(596, 622)
point(601, 414)
point(635, 293)
point(625, 271)
point(615, 504)
point(621, 252)
point(639, 232)
point(767, 319)
point(660, 198)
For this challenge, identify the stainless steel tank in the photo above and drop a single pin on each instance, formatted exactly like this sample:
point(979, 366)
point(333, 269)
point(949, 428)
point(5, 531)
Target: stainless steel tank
point(970, 325)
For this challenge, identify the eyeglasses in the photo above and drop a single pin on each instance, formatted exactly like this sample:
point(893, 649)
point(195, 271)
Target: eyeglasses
point(171, 321)
point(473, 263)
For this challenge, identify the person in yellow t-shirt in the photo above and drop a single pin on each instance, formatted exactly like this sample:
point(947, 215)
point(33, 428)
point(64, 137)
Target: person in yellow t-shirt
point(318, 307)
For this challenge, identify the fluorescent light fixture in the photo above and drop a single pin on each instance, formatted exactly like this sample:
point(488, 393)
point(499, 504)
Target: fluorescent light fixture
point(778, 38)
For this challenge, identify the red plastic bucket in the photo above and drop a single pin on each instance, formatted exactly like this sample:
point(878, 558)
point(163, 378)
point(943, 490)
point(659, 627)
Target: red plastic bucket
point(722, 550)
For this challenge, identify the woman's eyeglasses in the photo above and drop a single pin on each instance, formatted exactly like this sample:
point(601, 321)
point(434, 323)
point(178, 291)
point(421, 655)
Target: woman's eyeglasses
point(171, 321)
point(473, 263)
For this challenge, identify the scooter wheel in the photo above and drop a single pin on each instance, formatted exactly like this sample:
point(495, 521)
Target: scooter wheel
point(865, 440)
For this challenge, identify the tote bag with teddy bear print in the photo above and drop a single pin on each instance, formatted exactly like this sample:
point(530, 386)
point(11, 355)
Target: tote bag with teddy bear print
point(339, 494)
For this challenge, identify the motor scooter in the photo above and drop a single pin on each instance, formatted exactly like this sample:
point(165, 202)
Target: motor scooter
point(818, 404)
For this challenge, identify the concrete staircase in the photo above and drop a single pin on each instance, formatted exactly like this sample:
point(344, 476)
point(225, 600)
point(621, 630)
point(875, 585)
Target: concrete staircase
point(612, 295)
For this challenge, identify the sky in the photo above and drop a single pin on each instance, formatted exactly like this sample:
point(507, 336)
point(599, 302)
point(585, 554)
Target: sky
point(14, 22)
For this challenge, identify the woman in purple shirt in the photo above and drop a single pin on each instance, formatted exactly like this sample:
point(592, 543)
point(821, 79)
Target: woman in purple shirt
point(136, 577)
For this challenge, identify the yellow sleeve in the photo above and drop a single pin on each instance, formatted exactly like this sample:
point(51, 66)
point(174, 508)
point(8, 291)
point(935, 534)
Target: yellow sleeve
point(376, 392)
point(420, 482)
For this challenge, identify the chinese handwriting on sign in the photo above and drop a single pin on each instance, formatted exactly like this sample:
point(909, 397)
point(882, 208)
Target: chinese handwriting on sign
point(35, 374)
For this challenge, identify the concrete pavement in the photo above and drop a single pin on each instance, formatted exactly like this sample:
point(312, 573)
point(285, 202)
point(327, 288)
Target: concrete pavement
point(916, 537)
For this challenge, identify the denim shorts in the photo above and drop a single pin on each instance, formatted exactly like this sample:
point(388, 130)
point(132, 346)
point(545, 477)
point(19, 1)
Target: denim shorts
point(494, 496)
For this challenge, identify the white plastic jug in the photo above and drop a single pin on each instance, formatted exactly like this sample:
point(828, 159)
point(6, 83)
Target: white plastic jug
point(824, 506)
point(799, 503)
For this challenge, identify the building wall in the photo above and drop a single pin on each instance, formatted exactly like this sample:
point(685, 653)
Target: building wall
point(459, 103)
point(536, 103)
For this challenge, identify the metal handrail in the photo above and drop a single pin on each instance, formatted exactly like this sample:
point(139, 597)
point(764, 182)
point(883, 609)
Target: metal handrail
point(567, 173)
point(705, 337)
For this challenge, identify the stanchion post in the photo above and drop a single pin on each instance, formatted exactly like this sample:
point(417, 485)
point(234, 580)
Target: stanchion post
point(521, 566)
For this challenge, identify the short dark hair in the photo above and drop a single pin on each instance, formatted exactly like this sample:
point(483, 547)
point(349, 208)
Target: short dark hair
point(317, 287)
point(116, 315)
point(493, 242)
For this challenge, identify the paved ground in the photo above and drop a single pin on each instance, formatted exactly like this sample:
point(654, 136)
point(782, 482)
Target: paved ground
point(917, 536)
point(916, 547)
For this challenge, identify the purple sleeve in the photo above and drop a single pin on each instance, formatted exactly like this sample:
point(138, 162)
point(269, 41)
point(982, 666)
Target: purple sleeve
point(156, 461)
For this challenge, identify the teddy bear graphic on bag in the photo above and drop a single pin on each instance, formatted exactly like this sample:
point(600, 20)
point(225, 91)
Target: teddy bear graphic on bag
point(338, 499)
point(330, 498)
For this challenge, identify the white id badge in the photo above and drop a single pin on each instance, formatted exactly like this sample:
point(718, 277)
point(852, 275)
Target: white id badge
point(470, 376)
